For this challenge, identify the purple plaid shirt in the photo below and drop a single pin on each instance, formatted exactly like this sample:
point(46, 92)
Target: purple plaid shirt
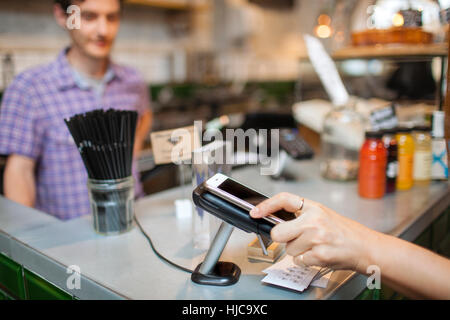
point(32, 124)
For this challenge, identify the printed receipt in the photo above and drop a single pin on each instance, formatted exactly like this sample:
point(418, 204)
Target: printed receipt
point(287, 274)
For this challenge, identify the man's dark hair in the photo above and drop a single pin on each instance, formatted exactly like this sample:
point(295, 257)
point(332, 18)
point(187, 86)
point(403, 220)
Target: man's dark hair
point(67, 3)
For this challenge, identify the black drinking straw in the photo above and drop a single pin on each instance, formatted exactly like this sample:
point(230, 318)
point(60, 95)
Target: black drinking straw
point(105, 140)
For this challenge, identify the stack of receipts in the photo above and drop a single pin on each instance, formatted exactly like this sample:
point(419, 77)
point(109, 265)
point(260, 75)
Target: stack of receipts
point(286, 273)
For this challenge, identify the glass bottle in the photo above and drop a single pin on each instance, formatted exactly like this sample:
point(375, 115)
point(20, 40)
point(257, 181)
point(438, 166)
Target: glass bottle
point(439, 167)
point(405, 158)
point(342, 138)
point(390, 143)
point(372, 167)
point(423, 156)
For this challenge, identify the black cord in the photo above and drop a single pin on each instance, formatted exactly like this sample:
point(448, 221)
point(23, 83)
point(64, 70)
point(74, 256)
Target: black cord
point(156, 251)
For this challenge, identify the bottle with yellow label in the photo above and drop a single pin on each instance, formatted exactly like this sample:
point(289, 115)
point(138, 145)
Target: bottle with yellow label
point(405, 158)
point(423, 155)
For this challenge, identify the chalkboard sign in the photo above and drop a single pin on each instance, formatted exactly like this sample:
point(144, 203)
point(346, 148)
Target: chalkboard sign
point(383, 118)
point(411, 18)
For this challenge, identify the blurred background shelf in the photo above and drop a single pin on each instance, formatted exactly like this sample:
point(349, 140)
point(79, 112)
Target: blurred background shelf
point(392, 52)
point(401, 53)
point(169, 4)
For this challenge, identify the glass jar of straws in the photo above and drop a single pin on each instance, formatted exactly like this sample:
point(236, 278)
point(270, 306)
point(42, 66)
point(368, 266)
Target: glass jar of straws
point(105, 140)
point(112, 204)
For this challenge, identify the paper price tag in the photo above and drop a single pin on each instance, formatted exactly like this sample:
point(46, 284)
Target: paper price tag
point(175, 145)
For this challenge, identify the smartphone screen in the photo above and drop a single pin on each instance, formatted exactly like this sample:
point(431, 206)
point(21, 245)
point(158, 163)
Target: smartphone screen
point(251, 196)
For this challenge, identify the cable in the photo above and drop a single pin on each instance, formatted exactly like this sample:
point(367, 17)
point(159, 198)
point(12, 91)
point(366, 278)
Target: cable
point(156, 251)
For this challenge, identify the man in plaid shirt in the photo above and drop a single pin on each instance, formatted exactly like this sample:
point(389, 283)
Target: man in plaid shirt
point(44, 169)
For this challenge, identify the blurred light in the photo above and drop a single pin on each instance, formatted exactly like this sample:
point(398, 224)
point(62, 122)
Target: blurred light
point(224, 120)
point(323, 31)
point(359, 67)
point(444, 4)
point(381, 15)
point(339, 36)
point(397, 20)
point(354, 67)
point(324, 19)
point(375, 67)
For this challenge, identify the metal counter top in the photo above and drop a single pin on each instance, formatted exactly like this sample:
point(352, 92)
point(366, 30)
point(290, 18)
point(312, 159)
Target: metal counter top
point(124, 266)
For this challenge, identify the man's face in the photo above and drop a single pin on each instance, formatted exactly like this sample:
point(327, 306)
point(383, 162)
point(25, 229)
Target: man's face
point(100, 20)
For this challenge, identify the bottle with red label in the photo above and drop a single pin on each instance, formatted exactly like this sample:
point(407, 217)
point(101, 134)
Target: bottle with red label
point(372, 166)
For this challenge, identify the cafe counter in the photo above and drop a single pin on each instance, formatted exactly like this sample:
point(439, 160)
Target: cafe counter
point(43, 257)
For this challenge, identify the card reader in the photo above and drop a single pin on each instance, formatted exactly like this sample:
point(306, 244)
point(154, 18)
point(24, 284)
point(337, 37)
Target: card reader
point(230, 213)
point(219, 273)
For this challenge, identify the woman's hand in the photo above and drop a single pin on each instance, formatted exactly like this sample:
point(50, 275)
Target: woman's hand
point(321, 237)
point(318, 236)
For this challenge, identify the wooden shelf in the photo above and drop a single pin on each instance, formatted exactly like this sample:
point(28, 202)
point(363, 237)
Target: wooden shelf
point(165, 4)
point(392, 51)
point(171, 4)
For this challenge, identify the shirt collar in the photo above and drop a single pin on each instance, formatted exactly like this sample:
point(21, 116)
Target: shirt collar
point(85, 83)
point(64, 77)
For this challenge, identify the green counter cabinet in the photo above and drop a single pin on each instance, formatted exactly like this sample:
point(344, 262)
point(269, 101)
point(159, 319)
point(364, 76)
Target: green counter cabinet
point(439, 230)
point(11, 278)
point(444, 246)
point(3, 296)
point(424, 239)
point(39, 289)
point(17, 282)
point(369, 294)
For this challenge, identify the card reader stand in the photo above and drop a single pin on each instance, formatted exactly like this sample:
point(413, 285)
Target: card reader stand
point(212, 271)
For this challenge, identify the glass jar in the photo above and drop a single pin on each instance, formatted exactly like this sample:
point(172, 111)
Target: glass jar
point(112, 205)
point(342, 138)
point(423, 155)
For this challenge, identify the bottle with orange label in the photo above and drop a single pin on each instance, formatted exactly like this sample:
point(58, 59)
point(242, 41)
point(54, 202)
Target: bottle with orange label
point(372, 166)
point(405, 143)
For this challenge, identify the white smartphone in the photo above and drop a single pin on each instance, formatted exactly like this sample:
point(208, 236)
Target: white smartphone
point(243, 196)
